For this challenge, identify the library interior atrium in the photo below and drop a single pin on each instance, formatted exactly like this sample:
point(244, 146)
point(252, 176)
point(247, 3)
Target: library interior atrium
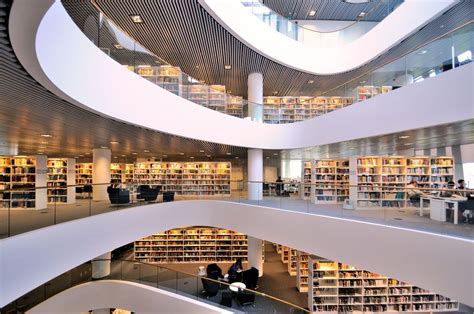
point(236, 156)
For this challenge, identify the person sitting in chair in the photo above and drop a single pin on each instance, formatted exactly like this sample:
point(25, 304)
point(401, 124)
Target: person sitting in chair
point(279, 186)
point(235, 271)
point(413, 193)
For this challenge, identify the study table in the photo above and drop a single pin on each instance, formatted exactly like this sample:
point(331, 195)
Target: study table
point(439, 205)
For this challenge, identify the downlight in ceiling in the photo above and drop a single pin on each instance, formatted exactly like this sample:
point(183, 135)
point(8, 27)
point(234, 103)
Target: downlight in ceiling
point(356, 1)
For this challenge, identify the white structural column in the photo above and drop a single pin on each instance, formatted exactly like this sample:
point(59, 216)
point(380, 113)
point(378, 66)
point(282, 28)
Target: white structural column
point(255, 96)
point(101, 266)
point(255, 254)
point(458, 162)
point(255, 173)
point(100, 173)
point(255, 156)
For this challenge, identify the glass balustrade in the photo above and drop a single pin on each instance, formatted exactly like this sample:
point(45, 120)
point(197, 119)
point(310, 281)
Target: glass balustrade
point(385, 203)
point(322, 33)
point(428, 60)
point(164, 278)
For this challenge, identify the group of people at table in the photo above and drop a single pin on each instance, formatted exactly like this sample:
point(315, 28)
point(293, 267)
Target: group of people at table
point(454, 196)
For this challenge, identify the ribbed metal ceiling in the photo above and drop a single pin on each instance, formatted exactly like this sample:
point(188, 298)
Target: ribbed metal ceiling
point(185, 35)
point(332, 9)
point(28, 110)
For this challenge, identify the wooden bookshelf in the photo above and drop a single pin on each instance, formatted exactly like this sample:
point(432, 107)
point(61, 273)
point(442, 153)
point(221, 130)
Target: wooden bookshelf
point(302, 271)
point(128, 175)
point(306, 187)
point(235, 106)
point(292, 262)
point(331, 178)
point(60, 175)
point(337, 287)
point(192, 245)
point(367, 92)
point(117, 172)
point(280, 110)
point(185, 178)
point(170, 78)
point(284, 254)
point(217, 98)
point(20, 175)
point(380, 174)
point(84, 173)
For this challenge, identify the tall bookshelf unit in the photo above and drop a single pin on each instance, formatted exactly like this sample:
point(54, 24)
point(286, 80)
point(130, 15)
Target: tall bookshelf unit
point(280, 110)
point(19, 176)
point(217, 98)
point(186, 179)
point(331, 178)
point(192, 245)
point(377, 175)
point(306, 187)
point(128, 175)
point(302, 271)
point(292, 262)
point(235, 106)
point(367, 92)
point(60, 175)
point(337, 287)
point(170, 78)
point(117, 173)
point(84, 173)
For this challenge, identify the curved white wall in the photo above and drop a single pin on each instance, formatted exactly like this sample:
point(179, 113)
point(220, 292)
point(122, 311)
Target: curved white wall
point(405, 20)
point(440, 263)
point(131, 296)
point(59, 56)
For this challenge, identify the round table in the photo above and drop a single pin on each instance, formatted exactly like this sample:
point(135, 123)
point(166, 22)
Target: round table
point(237, 286)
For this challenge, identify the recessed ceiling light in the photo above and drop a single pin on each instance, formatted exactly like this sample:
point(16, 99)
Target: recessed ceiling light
point(118, 46)
point(76, 157)
point(312, 13)
point(115, 157)
point(114, 142)
point(191, 157)
point(146, 151)
point(407, 144)
point(136, 18)
point(268, 157)
point(144, 66)
point(236, 157)
point(422, 52)
point(227, 66)
point(197, 66)
point(46, 135)
point(356, 1)
point(87, 154)
point(275, 92)
point(81, 155)
point(181, 154)
point(275, 154)
point(441, 26)
point(361, 14)
point(134, 153)
point(165, 155)
point(404, 136)
point(201, 151)
point(229, 153)
point(208, 156)
point(43, 142)
point(123, 155)
point(363, 82)
point(104, 147)
point(310, 82)
point(40, 153)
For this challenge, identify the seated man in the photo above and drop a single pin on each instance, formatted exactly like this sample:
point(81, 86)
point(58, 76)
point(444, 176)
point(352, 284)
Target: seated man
point(413, 193)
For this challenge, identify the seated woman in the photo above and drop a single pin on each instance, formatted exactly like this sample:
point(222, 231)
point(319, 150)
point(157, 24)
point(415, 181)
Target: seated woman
point(235, 271)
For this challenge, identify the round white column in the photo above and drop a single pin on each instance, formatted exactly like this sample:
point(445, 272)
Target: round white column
point(255, 173)
point(100, 173)
point(101, 266)
point(255, 254)
point(255, 96)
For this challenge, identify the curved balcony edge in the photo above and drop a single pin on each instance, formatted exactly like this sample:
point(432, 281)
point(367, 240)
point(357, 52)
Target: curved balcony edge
point(137, 297)
point(410, 16)
point(375, 247)
point(65, 62)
